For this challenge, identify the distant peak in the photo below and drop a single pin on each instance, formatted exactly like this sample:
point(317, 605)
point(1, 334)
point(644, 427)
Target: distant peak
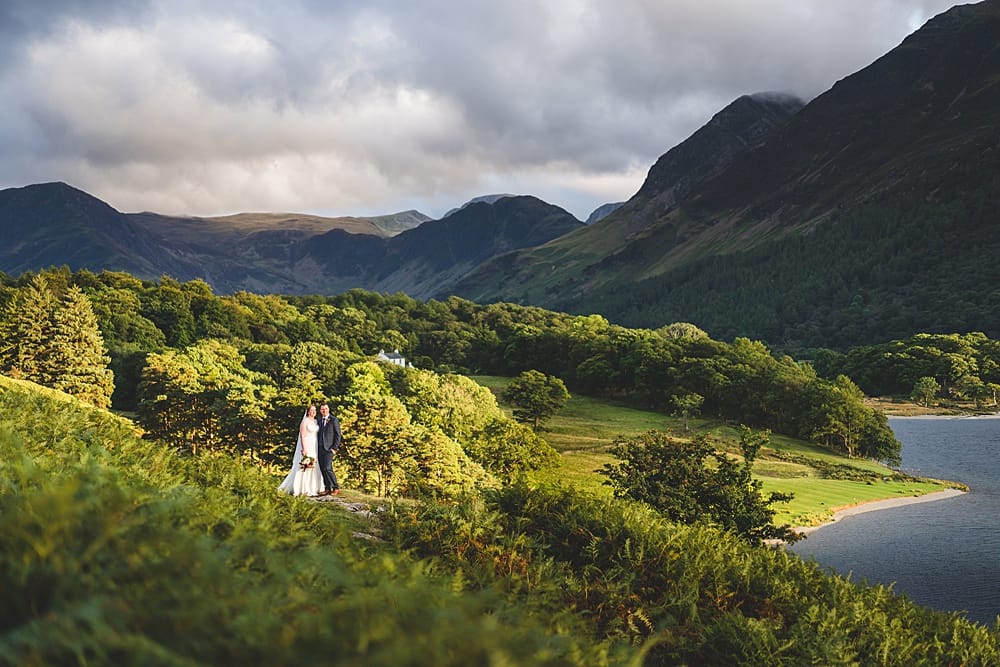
point(603, 211)
point(483, 199)
point(56, 190)
point(50, 185)
point(778, 98)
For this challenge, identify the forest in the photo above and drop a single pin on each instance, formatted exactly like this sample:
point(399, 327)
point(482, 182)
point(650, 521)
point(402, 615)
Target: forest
point(879, 273)
point(952, 366)
point(208, 372)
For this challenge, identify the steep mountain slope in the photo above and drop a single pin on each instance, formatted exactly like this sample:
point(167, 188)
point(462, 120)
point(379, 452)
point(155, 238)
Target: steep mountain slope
point(538, 274)
point(870, 211)
point(603, 211)
point(52, 224)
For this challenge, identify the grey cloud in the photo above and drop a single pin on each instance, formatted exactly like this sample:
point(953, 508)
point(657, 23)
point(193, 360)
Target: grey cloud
point(312, 105)
point(22, 20)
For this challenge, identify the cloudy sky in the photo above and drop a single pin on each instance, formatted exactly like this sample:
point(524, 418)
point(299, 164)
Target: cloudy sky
point(338, 107)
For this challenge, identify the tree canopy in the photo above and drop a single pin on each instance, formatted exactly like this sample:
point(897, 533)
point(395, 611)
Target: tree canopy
point(305, 344)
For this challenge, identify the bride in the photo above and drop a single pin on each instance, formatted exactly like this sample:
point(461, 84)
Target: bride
point(305, 480)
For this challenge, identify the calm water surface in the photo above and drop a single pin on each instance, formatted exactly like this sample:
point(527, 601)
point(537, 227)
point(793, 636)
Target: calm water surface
point(943, 554)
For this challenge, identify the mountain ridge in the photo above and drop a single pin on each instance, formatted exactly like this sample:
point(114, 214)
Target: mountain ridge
point(575, 257)
point(51, 224)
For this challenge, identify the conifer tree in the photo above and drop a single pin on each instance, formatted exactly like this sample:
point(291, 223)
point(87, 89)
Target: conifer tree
point(26, 331)
point(78, 353)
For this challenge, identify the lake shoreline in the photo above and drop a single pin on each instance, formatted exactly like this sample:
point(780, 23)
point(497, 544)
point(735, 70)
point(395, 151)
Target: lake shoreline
point(901, 408)
point(890, 503)
point(939, 555)
point(876, 505)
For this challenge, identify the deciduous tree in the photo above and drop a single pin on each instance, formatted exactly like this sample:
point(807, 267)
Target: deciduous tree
point(536, 396)
point(676, 477)
point(925, 390)
point(688, 405)
point(205, 398)
point(507, 449)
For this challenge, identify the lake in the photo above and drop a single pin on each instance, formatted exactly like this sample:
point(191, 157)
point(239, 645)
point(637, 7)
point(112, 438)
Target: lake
point(943, 554)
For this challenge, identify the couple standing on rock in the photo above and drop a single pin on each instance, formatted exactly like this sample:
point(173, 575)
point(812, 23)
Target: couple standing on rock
point(312, 466)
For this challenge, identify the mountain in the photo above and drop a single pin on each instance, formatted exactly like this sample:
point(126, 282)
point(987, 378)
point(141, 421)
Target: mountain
point(256, 251)
point(54, 224)
point(603, 211)
point(430, 258)
point(399, 222)
point(487, 199)
point(743, 123)
point(570, 263)
point(868, 214)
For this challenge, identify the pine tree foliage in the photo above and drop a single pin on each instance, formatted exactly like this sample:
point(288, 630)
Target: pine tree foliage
point(56, 342)
point(789, 292)
point(78, 351)
point(26, 333)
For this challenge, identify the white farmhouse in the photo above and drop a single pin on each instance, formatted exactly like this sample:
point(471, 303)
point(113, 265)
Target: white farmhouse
point(393, 357)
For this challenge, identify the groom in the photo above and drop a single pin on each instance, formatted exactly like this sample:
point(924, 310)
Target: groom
point(329, 442)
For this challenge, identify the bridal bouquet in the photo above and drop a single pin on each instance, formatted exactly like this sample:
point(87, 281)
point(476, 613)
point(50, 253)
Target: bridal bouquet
point(307, 462)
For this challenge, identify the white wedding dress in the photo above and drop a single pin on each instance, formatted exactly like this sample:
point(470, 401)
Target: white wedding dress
point(308, 482)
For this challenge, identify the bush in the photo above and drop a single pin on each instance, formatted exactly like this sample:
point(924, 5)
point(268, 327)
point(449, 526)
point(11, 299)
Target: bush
point(685, 594)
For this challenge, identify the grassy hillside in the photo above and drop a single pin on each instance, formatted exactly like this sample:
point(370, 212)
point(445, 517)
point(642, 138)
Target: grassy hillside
point(117, 551)
point(821, 480)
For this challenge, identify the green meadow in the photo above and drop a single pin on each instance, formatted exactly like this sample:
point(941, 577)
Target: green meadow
point(821, 480)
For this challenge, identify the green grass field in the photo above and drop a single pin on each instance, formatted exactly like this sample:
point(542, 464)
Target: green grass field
point(584, 429)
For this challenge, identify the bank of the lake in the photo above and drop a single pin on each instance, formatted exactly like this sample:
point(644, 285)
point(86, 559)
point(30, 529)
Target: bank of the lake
point(942, 554)
point(584, 429)
point(876, 505)
point(823, 482)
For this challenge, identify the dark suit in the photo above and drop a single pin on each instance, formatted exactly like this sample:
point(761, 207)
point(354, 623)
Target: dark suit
point(328, 441)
